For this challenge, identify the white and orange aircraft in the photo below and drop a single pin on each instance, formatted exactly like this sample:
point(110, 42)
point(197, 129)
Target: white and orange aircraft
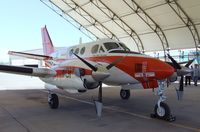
point(86, 66)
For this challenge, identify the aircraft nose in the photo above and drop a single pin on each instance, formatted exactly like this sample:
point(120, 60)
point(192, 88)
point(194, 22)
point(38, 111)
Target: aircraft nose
point(164, 71)
point(170, 70)
point(167, 70)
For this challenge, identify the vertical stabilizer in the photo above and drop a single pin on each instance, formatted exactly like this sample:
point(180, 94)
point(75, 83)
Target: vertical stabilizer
point(48, 47)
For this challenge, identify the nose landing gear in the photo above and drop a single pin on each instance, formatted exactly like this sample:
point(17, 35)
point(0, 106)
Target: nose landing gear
point(161, 109)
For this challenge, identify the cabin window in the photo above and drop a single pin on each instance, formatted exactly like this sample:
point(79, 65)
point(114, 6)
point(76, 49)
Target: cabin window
point(95, 49)
point(111, 45)
point(82, 51)
point(71, 52)
point(76, 51)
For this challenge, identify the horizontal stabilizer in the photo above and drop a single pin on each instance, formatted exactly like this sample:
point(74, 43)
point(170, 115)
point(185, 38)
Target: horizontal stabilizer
point(29, 71)
point(30, 56)
point(32, 65)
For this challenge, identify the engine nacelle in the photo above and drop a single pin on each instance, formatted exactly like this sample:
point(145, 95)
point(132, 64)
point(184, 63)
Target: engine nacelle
point(43, 72)
point(91, 81)
point(173, 77)
point(79, 72)
point(90, 85)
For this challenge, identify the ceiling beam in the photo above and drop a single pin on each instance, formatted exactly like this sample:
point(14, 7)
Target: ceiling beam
point(119, 22)
point(137, 9)
point(186, 20)
point(69, 19)
point(90, 19)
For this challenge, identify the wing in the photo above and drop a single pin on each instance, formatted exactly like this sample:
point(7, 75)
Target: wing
point(29, 55)
point(29, 71)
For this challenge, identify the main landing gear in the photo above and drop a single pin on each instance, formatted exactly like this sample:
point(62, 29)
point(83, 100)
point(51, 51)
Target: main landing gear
point(125, 94)
point(53, 101)
point(162, 110)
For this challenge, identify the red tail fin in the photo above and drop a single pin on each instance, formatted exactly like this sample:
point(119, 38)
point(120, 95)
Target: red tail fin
point(48, 47)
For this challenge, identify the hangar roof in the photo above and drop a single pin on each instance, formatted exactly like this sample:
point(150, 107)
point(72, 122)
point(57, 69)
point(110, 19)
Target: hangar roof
point(144, 25)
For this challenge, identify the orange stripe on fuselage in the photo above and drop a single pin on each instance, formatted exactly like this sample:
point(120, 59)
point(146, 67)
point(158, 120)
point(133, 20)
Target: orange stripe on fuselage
point(69, 70)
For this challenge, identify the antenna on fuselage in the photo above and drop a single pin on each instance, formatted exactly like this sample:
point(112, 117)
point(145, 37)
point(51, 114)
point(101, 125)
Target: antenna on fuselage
point(80, 40)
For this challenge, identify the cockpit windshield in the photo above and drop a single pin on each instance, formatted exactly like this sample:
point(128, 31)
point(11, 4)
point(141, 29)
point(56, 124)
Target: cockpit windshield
point(111, 45)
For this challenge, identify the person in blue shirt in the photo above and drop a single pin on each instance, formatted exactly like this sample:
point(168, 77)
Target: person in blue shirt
point(196, 74)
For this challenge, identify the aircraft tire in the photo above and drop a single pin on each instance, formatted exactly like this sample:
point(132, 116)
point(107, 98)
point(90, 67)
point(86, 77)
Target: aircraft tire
point(53, 101)
point(125, 94)
point(163, 113)
point(82, 91)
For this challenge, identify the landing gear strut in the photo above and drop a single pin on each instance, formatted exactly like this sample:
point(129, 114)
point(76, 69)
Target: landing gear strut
point(98, 103)
point(125, 94)
point(53, 101)
point(162, 110)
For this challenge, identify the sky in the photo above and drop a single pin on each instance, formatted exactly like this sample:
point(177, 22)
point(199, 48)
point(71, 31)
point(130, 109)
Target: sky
point(21, 22)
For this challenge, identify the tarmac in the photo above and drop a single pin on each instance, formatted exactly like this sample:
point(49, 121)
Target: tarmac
point(24, 108)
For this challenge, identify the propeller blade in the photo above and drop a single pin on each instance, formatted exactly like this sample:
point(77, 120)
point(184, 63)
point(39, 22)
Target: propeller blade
point(189, 62)
point(100, 70)
point(183, 71)
point(181, 86)
point(175, 64)
point(114, 63)
point(170, 63)
point(179, 94)
point(87, 63)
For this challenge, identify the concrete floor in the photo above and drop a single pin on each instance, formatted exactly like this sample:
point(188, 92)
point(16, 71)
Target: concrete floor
point(28, 111)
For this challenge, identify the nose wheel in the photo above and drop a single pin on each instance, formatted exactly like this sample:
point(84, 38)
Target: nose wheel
point(162, 112)
point(125, 94)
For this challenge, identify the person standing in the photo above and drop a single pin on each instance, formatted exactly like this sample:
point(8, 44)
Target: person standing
point(192, 77)
point(188, 78)
point(196, 74)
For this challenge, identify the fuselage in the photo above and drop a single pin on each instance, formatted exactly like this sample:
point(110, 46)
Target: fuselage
point(133, 68)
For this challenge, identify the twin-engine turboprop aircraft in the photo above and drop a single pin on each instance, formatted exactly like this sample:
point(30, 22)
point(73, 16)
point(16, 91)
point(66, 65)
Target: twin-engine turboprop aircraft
point(86, 66)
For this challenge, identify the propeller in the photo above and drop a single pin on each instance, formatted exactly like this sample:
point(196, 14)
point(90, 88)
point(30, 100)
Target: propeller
point(115, 62)
point(189, 62)
point(180, 71)
point(174, 62)
point(87, 63)
point(100, 73)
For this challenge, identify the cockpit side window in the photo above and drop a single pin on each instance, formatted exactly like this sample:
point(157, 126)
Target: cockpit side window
point(111, 45)
point(95, 49)
point(101, 50)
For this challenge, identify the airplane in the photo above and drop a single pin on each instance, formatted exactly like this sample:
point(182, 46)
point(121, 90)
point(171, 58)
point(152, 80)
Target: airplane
point(87, 66)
